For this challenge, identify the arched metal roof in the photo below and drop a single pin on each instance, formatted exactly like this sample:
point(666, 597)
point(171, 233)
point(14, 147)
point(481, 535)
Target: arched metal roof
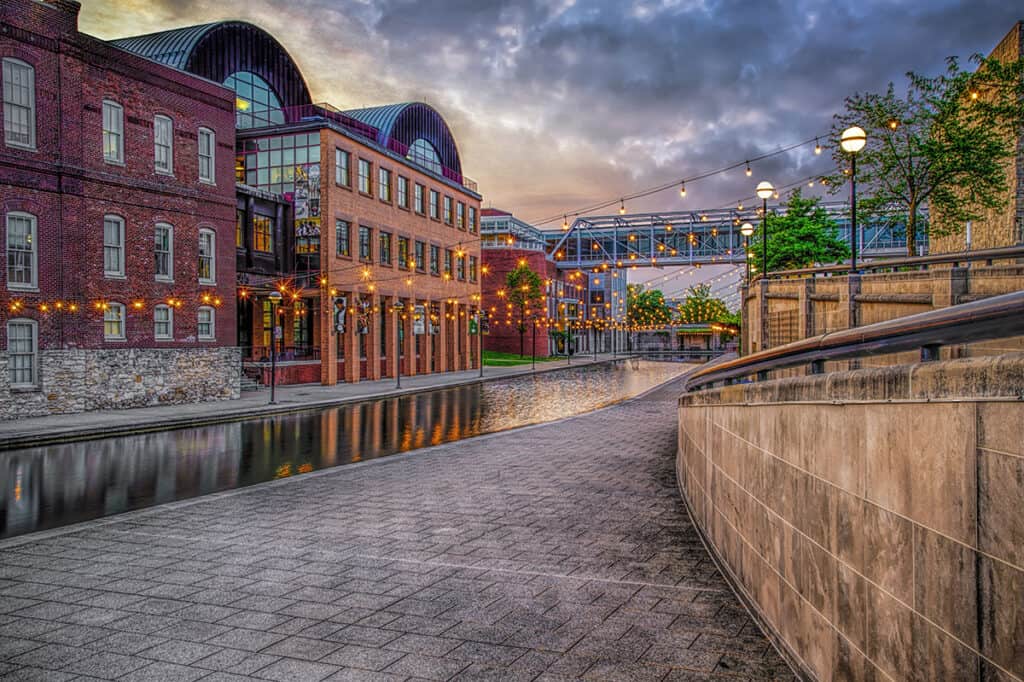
point(400, 125)
point(217, 50)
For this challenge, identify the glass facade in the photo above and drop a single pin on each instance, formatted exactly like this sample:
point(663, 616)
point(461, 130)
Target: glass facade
point(256, 103)
point(423, 153)
point(270, 163)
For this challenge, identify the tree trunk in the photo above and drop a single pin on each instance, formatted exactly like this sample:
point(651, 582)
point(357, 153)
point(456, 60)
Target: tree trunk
point(912, 230)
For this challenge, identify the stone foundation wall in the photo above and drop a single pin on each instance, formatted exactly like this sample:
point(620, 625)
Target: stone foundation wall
point(873, 518)
point(82, 380)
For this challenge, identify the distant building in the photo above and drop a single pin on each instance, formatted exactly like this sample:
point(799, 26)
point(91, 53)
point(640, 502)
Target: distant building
point(117, 198)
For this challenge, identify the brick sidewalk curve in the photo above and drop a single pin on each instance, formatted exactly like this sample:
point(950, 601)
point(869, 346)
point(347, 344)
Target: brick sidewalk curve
point(560, 551)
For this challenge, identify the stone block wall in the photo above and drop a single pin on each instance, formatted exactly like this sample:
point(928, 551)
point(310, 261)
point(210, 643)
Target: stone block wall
point(873, 518)
point(82, 380)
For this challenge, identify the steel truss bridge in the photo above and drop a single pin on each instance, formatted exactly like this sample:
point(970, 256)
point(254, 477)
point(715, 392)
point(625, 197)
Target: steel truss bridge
point(680, 238)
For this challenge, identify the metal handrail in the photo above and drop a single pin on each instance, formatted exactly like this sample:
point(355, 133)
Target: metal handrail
point(987, 255)
point(990, 318)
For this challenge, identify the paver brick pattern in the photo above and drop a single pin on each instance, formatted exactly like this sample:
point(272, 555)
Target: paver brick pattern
point(556, 552)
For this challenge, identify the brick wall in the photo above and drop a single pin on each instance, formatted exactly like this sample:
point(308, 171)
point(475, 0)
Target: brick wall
point(504, 335)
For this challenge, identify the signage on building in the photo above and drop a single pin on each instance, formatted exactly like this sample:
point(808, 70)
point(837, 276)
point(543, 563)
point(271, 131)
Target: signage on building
point(419, 317)
point(307, 192)
point(472, 325)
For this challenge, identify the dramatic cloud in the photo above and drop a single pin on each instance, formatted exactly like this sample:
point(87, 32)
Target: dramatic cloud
point(557, 104)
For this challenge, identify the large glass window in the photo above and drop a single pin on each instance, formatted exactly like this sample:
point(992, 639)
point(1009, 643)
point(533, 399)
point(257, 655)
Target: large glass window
point(384, 184)
point(22, 349)
point(163, 323)
point(342, 168)
point(423, 153)
point(365, 252)
point(113, 132)
point(263, 233)
point(113, 246)
point(271, 163)
point(164, 252)
point(256, 103)
point(207, 260)
point(163, 145)
point(384, 248)
point(22, 261)
point(342, 236)
point(19, 103)
point(207, 155)
point(113, 322)
point(364, 176)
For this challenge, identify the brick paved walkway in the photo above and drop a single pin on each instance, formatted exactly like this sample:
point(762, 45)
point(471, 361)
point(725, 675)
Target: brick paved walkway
point(555, 552)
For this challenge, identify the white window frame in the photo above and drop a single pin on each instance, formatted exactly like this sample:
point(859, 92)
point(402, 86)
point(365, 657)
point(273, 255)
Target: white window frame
point(169, 336)
point(119, 221)
point(169, 276)
point(34, 331)
point(159, 121)
point(212, 279)
point(210, 158)
point(113, 130)
point(10, 105)
point(121, 310)
point(212, 336)
point(384, 184)
point(33, 238)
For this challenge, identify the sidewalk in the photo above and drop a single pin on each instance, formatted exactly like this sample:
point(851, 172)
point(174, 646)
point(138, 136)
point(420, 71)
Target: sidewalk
point(65, 427)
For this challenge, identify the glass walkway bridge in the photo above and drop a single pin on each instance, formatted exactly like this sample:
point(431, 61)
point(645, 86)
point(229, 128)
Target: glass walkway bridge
point(682, 238)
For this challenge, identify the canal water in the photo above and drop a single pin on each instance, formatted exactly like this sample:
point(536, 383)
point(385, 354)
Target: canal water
point(56, 485)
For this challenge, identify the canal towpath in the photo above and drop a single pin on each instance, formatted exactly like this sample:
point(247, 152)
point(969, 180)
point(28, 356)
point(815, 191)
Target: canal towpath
point(104, 423)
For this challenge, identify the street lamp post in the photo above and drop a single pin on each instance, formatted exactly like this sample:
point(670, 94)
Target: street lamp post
point(764, 191)
point(533, 348)
point(398, 307)
point(275, 300)
point(852, 141)
point(746, 230)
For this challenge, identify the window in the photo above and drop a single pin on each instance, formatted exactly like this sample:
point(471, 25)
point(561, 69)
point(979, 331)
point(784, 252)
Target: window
point(207, 262)
point(163, 323)
point(342, 168)
point(274, 163)
point(256, 103)
point(434, 205)
point(460, 215)
point(435, 257)
point(418, 198)
point(19, 104)
point(239, 228)
point(207, 147)
point(472, 218)
point(403, 192)
point(424, 153)
point(22, 263)
point(113, 246)
point(263, 233)
point(113, 322)
point(384, 248)
point(448, 210)
point(205, 327)
point(164, 252)
point(472, 268)
point(341, 236)
point(384, 184)
point(460, 268)
point(421, 248)
point(365, 252)
point(364, 176)
point(403, 253)
point(163, 145)
point(448, 263)
point(113, 132)
point(22, 349)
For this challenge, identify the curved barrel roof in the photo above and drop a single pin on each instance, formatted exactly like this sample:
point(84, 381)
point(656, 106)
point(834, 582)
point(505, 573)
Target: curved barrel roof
point(400, 125)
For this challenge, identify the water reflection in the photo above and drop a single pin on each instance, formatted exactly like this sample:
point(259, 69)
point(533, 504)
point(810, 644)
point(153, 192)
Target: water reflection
point(60, 484)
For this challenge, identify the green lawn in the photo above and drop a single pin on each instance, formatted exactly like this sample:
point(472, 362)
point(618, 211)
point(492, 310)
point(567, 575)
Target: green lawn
point(496, 359)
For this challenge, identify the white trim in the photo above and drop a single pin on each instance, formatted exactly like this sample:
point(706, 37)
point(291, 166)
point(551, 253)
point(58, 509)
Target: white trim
point(212, 279)
point(116, 128)
point(212, 336)
point(33, 225)
point(7, 69)
point(169, 336)
point(34, 328)
point(169, 277)
point(111, 307)
point(158, 132)
point(114, 219)
point(212, 177)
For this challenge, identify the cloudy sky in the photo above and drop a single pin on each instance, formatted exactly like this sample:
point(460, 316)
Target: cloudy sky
point(557, 104)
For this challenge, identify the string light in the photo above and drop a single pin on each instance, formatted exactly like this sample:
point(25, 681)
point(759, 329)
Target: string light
point(749, 171)
point(682, 190)
point(622, 207)
point(817, 147)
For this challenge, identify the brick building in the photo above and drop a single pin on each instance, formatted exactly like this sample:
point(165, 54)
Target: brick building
point(383, 224)
point(117, 193)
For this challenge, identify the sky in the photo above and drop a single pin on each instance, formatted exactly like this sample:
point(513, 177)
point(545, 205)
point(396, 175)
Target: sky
point(559, 104)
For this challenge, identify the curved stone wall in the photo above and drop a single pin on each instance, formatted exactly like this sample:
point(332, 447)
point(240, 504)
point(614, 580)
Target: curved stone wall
point(873, 519)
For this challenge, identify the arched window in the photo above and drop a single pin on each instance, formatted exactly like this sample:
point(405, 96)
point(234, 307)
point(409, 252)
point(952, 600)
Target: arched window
point(256, 103)
point(423, 153)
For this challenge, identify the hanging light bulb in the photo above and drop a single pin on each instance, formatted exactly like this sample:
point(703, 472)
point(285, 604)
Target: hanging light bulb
point(749, 171)
point(682, 190)
point(739, 205)
point(565, 222)
point(775, 194)
point(622, 207)
point(817, 147)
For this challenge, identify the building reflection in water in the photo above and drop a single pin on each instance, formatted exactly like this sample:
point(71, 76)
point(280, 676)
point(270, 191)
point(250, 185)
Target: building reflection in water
point(61, 484)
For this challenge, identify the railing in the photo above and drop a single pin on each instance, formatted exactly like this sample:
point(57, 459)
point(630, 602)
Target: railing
point(685, 355)
point(991, 318)
point(921, 262)
point(285, 354)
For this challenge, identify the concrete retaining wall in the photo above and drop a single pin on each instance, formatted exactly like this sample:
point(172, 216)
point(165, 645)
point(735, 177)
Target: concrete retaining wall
point(81, 380)
point(874, 519)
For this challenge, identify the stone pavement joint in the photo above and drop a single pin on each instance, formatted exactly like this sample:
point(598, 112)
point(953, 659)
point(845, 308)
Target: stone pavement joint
point(560, 551)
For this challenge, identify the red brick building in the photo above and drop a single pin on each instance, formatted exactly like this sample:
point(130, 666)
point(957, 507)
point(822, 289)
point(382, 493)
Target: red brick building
point(117, 197)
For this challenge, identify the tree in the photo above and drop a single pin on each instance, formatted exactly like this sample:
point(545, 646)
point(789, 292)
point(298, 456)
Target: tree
point(803, 236)
point(524, 285)
point(944, 144)
point(646, 307)
point(699, 306)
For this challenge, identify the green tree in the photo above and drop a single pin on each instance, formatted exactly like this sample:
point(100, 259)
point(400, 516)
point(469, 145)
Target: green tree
point(699, 306)
point(646, 307)
point(803, 236)
point(945, 144)
point(524, 286)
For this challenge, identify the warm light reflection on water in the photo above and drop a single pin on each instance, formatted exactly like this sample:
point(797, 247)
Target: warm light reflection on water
point(56, 485)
